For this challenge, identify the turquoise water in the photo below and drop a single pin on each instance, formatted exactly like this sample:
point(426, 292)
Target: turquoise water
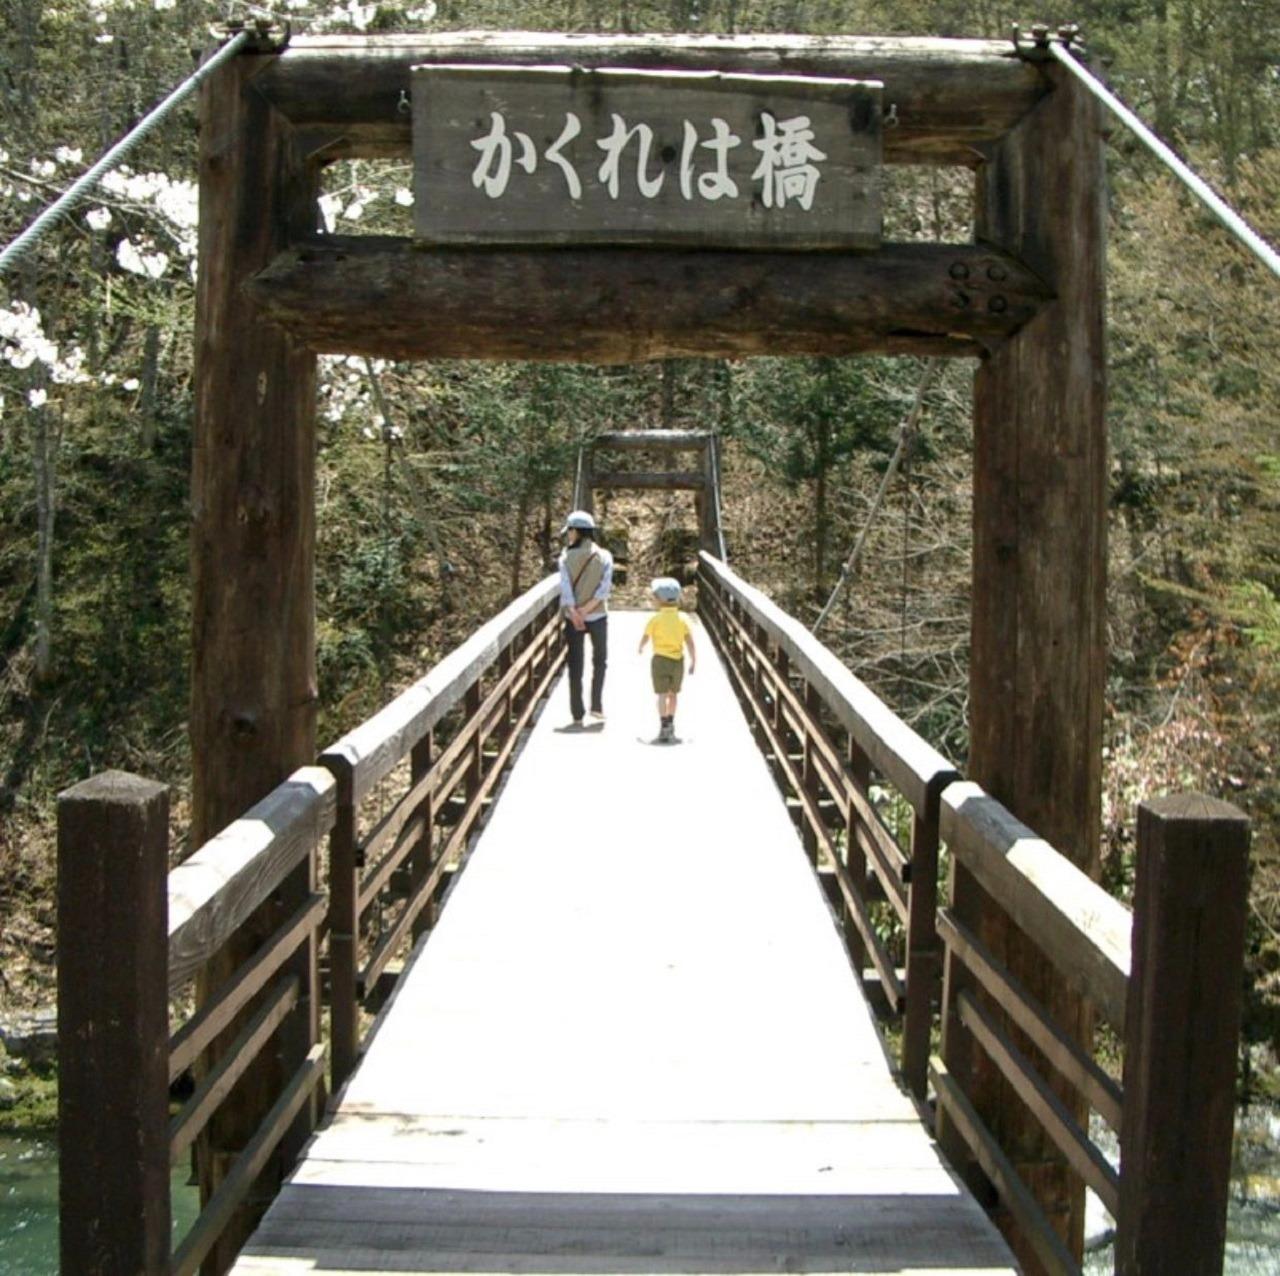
point(29, 1206)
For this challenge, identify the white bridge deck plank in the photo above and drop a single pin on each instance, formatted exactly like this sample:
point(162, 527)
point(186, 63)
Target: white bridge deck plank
point(632, 1044)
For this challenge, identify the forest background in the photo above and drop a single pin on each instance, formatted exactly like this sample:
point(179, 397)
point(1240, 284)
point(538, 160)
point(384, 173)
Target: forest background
point(440, 485)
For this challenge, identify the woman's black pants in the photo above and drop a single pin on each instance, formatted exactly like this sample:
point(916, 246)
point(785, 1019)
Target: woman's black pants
point(598, 630)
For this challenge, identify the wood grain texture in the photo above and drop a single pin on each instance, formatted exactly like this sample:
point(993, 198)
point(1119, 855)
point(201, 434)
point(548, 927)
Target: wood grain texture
point(1077, 926)
point(113, 1192)
point(378, 745)
point(641, 1050)
point(385, 297)
point(552, 154)
point(218, 887)
point(952, 96)
point(1038, 661)
point(910, 763)
point(1190, 903)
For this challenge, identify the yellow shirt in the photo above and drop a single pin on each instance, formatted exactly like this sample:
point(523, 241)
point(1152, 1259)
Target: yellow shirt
point(668, 629)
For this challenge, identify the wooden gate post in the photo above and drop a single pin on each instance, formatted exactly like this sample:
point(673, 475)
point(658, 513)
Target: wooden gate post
point(113, 1026)
point(1039, 568)
point(253, 534)
point(1182, 1026)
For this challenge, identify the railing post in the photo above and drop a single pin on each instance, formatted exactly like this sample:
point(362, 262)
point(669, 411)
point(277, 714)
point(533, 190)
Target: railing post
point(1182, 1025)
point(855, 857)
point(421, 757)
point(113, 1026)
point(344, 926)
point(809, 769)
point(922, 944)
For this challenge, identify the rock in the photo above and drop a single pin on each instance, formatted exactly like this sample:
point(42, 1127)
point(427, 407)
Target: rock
point(31, 1036)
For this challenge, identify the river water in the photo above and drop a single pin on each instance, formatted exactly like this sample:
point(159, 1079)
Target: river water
point(29, 1205)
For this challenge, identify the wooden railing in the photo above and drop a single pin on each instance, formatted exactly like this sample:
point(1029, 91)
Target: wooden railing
point(1165, 976)
point(455, 729)
point(832, 744)
point(132, 936)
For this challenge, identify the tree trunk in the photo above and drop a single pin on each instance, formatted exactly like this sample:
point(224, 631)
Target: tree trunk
point(522, 515)
point(150, 375)
point(44, 454)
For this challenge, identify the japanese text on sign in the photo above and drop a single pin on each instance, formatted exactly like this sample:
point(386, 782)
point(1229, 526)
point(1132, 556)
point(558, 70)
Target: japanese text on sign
point(788, 166)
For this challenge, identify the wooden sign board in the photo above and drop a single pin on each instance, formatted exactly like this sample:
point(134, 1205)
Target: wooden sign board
point(561, 155)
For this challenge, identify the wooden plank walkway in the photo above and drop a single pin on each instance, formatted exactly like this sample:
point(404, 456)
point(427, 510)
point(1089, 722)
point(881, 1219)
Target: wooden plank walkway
point(633, 1044)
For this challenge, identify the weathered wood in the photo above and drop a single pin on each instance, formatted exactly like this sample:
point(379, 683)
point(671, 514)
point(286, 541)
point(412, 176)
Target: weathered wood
point(377, 746)
point(344, 926)
point(554, 154)
point(253, 703)
point(1084, 932)
point(1103, 1094)
point(907, 761)
point(924, 964)
point(369, 296)
point(211, 1227)
point(643, 480)
point(214, 891)
point(952, 96)
point(703, 1090)
point(655, 440)
point(218, 1012)
point(219, 1082)
point(1039, 1099)
point(1038, 660)
point(1051, 1254)
point(1190, 904)
point(113, 1031)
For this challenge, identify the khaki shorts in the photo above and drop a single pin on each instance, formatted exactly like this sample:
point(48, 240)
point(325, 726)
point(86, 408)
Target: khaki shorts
point(668, 674)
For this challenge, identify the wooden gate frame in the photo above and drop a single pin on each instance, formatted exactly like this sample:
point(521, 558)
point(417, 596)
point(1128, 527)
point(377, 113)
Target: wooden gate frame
point(1026, 300)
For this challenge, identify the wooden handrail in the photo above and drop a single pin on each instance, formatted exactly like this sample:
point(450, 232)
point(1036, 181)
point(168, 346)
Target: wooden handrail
point(374, 748)
point(765, 649)
point(1085, 932)
point(912, 765)
point(213, 891)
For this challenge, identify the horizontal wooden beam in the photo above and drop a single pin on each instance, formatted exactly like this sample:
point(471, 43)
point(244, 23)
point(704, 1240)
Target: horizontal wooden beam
point(949, 97)
point(653, 440)
point(391, 299)
point(670, 481)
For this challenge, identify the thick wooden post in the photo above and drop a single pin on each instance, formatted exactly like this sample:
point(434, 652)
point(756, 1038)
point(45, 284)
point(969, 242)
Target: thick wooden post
point(421, 757)
point(923, 958)
point(1182, 1027)
point(1039, 566)
point(344, 927)
point(253, 534)
point(113, 1026)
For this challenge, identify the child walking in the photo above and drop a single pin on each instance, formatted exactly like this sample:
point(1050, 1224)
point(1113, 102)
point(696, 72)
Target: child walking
point(671, 633)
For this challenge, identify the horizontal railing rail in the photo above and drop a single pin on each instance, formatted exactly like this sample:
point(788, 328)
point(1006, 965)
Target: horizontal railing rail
point(151, 933)
point(133, 935)
point(1164, 976)
point(413, 783)
point(831, 742)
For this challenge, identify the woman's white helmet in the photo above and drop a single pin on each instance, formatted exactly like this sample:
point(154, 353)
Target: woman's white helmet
point(579, 519)
point(667, 588)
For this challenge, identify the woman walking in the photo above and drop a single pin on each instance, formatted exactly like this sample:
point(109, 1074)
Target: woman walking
point(586, 577)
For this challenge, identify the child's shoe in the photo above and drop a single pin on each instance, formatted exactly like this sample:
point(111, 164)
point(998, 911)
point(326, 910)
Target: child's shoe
point(666, 733)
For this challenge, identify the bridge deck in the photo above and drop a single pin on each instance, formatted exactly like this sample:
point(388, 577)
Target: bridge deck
point(633, 1043)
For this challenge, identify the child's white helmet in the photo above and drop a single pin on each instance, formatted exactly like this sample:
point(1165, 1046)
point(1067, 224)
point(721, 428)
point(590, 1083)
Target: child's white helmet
point(666, 588)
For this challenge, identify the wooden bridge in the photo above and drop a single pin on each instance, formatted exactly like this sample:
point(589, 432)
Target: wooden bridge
point(635, 1036)
point(431, 1023)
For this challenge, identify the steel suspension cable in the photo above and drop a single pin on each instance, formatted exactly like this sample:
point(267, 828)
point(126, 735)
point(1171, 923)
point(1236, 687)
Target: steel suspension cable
point(1198, 187)
point(27, 240)
point(905, 435)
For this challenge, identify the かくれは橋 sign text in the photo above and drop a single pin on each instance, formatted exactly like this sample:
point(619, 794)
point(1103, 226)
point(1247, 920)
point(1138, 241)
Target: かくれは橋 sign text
point(559, 155)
